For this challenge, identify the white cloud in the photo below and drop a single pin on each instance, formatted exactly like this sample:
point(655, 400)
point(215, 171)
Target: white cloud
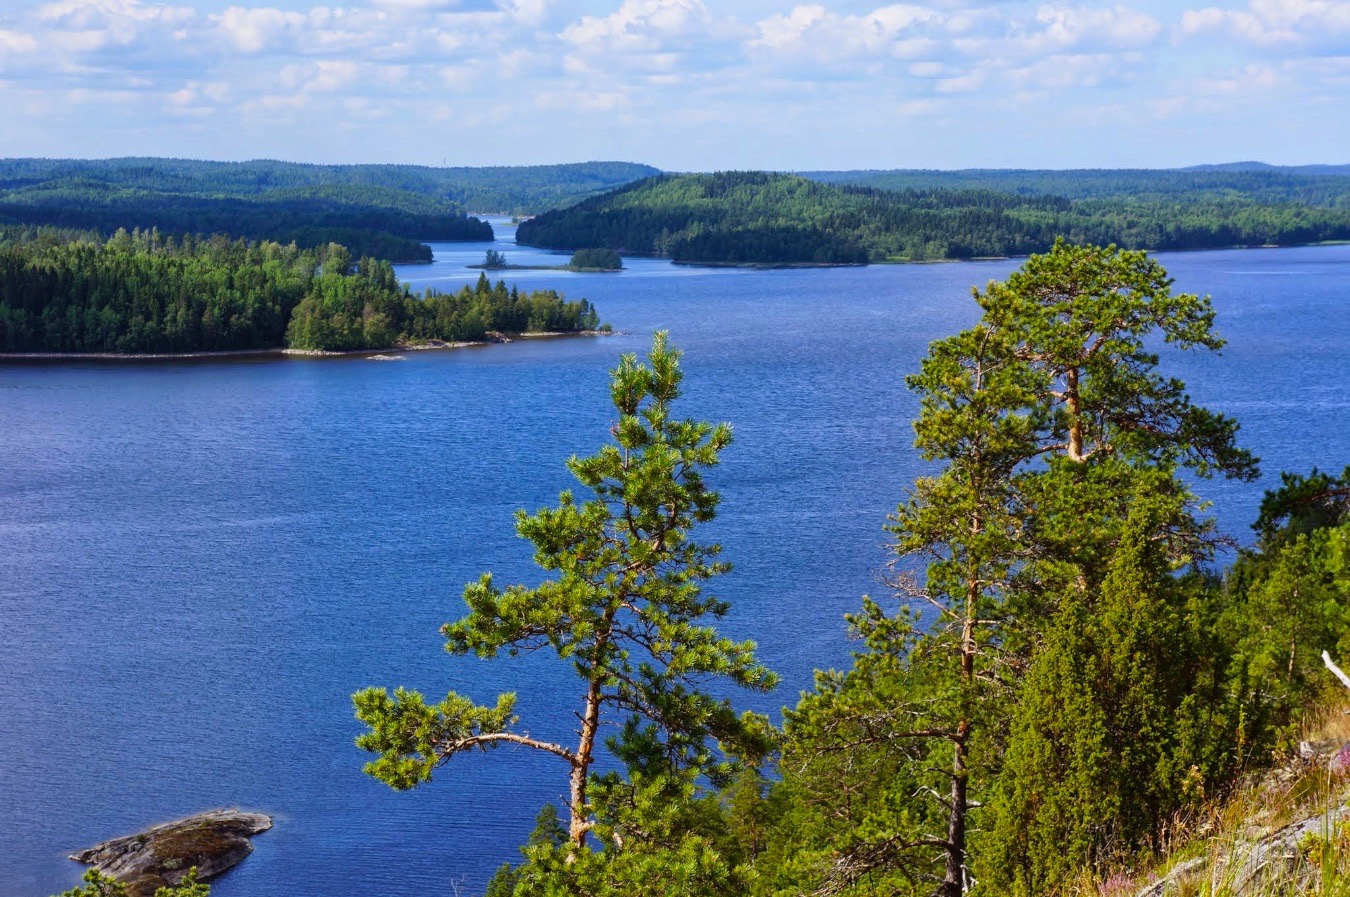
point(641, 25)
point(1078, 70)
point(603, 77)
point(582, 101)
point(1072, 27)
point(650, 39)
point(258, 29)
point(962, 83)
point(120, 16)
point(17, 42)
point(901, 31)
point(984, 37)
point(1277, 23)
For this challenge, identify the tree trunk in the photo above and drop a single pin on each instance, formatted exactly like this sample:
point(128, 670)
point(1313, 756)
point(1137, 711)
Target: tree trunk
point(954, 878)
point(954, 881)
point(581, 768)
point(1071, 399)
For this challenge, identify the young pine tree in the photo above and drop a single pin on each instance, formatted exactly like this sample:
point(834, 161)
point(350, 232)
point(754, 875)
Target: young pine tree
point(625, 607)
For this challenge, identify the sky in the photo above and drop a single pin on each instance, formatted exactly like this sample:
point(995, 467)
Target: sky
point(681, 84)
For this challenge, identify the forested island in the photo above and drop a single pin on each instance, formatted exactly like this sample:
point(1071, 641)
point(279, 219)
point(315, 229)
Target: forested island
point(141, 292)
point(766, 218)
point(592, 260)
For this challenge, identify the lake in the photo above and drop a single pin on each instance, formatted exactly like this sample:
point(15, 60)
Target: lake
point(202, 559)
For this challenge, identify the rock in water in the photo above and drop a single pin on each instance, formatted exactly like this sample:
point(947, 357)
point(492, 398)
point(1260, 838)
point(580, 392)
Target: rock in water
point(160, 856)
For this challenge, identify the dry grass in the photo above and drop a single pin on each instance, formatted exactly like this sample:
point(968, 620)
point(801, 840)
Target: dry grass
point(1214, 845)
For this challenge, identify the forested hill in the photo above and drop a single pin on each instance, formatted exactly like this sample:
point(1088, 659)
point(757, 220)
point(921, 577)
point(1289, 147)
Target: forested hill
point(1318, 185)
point(759, 217)
point(522, 190)
point(377, 221)
point(382, 211)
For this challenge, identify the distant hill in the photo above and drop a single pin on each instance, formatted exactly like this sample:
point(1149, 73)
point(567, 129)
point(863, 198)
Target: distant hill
point(1333, 170)
point(1316, 185)
point(766, 218)
point(524, 190)
point(384, 211)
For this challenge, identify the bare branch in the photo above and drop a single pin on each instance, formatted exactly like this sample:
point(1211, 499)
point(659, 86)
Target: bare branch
point(1340, 674)
point(487, 739)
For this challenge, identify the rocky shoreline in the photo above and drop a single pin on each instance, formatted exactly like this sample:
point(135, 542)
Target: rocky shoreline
point(162, 855)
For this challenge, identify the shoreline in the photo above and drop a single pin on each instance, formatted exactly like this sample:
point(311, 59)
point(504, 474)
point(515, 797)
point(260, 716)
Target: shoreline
point(769, 266)
point(281, 353)
point(575, 270)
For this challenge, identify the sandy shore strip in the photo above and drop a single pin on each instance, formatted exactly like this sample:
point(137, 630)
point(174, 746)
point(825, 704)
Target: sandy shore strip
point(430, 345)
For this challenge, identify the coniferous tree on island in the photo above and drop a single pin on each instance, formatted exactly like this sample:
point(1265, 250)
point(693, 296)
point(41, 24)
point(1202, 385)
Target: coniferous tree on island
point(596, 259)
point(142, 292)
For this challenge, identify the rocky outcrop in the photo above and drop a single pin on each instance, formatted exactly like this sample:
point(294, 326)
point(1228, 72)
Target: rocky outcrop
point(1276, 862)
point(160, 856)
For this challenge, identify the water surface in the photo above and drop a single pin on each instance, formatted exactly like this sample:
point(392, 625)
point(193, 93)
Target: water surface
point(200, 561)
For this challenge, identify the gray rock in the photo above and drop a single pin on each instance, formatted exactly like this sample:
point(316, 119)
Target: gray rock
point(161, 855)
point(1256, 866)
point(1181, 874)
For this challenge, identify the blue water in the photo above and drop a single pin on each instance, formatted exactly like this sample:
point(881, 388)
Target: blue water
point(200, 561)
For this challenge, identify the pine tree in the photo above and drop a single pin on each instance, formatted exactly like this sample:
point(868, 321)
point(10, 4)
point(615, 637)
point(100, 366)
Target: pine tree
point(627, 610)
point(1042, 418)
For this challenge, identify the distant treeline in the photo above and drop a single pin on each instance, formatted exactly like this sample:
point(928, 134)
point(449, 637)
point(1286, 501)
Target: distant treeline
point(377, 221)
point(1314, 185)
point(141, 292)
point(757, 217)
point(522, 190)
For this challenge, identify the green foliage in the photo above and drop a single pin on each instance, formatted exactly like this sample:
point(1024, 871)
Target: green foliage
point(659, 837)
point(368, 310)
point(1313, 185)
point(265, 199)
point(859, 752)
point(1287, 601)
point(1079, 319)
point(1049, 536)
point(724, 217)
point(1119, 724)
point(549, 832)
point(494, 259)
point(627, 611)
point(142, 292)
point(1303, 504)
point(99, 885)
point(598, 259)
point(379, 221)
point(756, 217)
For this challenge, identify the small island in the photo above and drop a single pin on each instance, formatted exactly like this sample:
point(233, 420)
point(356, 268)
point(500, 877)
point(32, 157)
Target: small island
point(161, 856)
point(583, 260)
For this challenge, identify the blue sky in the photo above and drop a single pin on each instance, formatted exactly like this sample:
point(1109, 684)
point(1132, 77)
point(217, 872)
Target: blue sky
point(681, 84)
